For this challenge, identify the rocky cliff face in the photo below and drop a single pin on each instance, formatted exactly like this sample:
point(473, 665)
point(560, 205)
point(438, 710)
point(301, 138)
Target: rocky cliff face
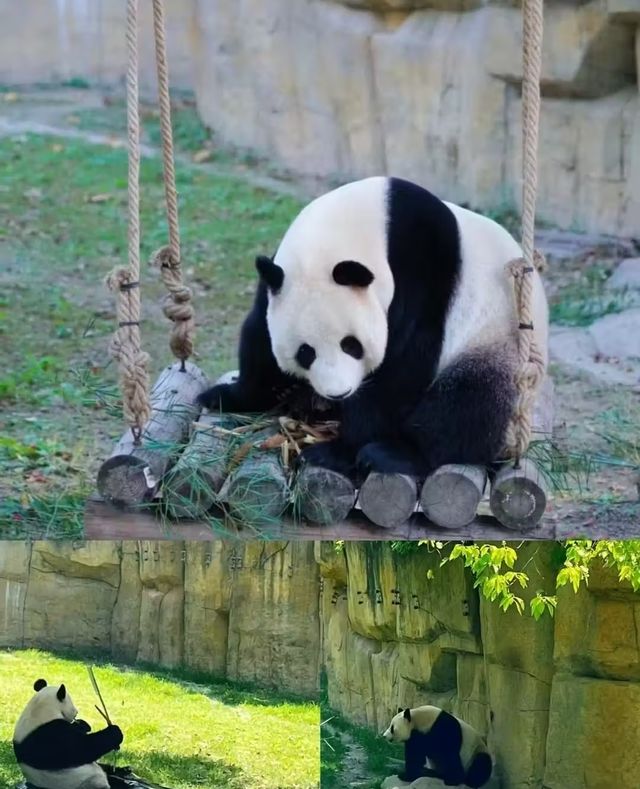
point(431, 90)
point(548, 695)
point(245, 611)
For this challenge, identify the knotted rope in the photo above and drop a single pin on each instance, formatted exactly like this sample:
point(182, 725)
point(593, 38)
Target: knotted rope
point(125, 282)
point(126, 345)
point(177, 304)
point(531, 364)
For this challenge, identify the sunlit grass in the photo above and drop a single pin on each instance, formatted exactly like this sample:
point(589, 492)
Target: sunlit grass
point(179, 733)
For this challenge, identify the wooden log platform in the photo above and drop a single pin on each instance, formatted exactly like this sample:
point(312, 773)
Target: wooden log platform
point(103, 521)
point(251, 487)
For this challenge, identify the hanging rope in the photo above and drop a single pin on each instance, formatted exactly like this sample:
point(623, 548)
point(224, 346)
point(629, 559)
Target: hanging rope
point(531, 365)
point(177, 304)
point(126, 345)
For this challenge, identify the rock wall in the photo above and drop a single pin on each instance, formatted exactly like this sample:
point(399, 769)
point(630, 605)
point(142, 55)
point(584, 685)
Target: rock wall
point(58, 40)
point(559, 700)
point(247, 611)
point(430, 89)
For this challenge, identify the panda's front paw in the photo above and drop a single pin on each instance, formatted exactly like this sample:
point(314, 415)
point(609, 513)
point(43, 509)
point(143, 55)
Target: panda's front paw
point(222, 397)
point(332, 455)
point(387, 459)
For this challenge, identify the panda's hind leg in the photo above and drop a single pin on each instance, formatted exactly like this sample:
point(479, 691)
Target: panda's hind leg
point(479, 771)
point(464, 415)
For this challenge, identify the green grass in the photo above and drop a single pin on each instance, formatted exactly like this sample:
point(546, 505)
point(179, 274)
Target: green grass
point(585, 300)
point(375, 758)
point(181, 730)
point(56, 380)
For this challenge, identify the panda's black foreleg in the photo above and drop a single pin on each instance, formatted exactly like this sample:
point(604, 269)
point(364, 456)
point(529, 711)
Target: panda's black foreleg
point(261, 383)
point(333, 455)
point(463, 416)
point(414, 760)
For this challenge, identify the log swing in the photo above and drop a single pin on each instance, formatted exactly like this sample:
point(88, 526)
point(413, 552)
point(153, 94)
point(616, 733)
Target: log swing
point(223, 466)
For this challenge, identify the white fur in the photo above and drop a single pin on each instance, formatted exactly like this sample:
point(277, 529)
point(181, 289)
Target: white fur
point(89, 776)
point(42, 708)
point(483, 311)
point(350, 223)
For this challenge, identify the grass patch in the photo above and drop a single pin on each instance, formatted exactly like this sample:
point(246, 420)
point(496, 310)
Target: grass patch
point(57, 386)
point(180, 733)
point(582, 302)
point(354, 755)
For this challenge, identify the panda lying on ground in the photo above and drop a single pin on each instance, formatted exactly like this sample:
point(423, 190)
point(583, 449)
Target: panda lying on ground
point(456, 753)
point(396, 307)
point(55, 750)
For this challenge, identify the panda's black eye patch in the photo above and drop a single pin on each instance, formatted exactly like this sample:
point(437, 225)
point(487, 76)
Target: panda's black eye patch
point(352, 346)
point(392, 729)
point(305, 356)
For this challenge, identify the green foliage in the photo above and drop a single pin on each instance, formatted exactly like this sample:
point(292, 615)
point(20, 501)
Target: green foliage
point(582, 302)
point(499, 575)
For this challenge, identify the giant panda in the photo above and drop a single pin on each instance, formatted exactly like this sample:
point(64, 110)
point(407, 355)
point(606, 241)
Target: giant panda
point(455, 751)
point(395, 308)
point(54, 749)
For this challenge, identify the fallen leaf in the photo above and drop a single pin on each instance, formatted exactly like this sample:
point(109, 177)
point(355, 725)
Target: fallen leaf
point(11, 96)
point(100, 198)
point(203, 155)
point(273, 442)
point(57, 147)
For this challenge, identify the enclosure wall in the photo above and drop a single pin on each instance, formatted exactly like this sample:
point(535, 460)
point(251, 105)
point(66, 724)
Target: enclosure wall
point(245, 611)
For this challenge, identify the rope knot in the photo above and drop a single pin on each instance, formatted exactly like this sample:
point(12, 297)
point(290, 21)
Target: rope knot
point(177, 304)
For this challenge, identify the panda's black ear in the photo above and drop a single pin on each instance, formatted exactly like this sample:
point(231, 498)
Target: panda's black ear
point(399, 709)
point(270, 273)
point(61, 695)
point(353, 274)
point(407, 714)
point(39, 684)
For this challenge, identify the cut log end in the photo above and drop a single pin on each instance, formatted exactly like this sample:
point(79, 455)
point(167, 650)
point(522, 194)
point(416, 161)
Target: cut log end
point(189, 493)
point(518, 496)
point(450, 496)
point(324, 496)
point(126, 480)
point(388, 500)
point(257, 492)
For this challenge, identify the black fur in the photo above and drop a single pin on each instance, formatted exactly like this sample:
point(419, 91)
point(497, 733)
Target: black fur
point(441, 745)
point(399, 419)
point(58, 745)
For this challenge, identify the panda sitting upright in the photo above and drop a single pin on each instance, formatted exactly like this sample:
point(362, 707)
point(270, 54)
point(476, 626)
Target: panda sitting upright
point(397, 308)
point(457, 754)
point(54, 749)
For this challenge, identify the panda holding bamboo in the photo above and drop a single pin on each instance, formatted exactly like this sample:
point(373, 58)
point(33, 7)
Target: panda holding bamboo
point(56, 750)
point(396, 308)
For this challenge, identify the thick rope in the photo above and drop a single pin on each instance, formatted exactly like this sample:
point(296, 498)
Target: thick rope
point(531, 365)
point(126, 345)
point(177, 304)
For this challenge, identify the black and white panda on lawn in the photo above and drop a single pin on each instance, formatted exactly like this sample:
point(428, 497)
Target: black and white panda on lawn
point(453, 750)
point(54, 749)
point(396, 307)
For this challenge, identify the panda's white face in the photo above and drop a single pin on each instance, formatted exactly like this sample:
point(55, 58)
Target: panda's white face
point(399, 729)
point(330, 286)
point(332, 336)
